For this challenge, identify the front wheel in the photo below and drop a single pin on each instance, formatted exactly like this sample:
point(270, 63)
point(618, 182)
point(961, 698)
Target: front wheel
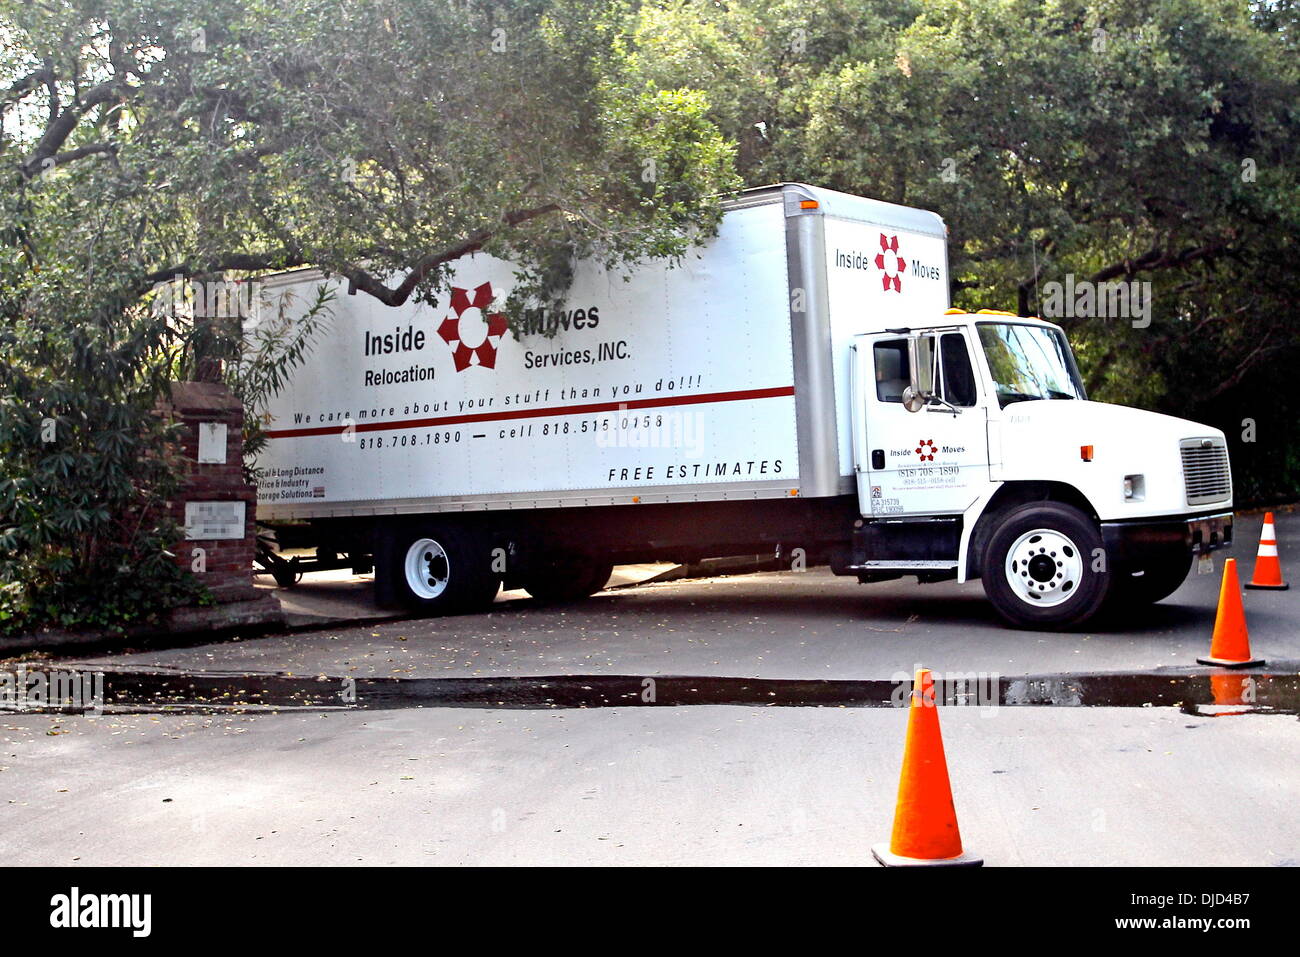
point(1045, 567)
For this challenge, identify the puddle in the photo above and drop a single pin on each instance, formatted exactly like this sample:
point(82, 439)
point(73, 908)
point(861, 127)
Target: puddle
point(128, 692)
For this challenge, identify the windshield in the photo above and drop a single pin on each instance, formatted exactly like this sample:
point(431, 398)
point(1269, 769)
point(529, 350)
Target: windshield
point(1029, 362)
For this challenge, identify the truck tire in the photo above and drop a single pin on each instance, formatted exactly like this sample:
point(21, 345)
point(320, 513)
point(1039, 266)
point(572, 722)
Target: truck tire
point(1038, 567)
point(437, 569)
point(1157, 582)
point(568, 581)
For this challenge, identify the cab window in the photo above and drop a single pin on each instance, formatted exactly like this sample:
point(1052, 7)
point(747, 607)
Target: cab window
point(891, 370)
point(954, 370)
point(958, 374)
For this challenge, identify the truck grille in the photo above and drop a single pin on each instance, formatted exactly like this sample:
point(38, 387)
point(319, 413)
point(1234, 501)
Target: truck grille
point(1205, 470)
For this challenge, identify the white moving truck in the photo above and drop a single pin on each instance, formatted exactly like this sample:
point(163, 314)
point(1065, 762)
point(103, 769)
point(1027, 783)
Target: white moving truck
point(796, 386)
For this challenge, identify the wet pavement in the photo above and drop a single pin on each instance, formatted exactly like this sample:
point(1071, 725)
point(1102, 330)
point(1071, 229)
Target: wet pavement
point(1257, 691)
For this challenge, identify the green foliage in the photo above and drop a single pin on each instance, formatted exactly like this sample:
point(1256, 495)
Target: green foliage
point(84, 463)
point(382, 139)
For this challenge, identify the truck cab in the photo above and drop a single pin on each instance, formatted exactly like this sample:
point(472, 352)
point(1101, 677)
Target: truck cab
point(978, 454)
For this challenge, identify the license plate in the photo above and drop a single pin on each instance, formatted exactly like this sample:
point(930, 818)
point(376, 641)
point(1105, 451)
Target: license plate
point(1204, 564)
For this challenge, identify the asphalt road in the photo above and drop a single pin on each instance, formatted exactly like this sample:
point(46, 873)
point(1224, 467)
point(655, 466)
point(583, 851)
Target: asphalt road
point(677, 784)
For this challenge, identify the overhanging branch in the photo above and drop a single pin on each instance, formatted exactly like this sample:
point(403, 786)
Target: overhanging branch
point(1160, 259)
point(63, 125)
point(24, 85)
point(360, 278)
point(396, 296)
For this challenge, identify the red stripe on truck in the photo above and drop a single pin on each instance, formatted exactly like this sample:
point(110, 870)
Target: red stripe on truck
point(700, 399)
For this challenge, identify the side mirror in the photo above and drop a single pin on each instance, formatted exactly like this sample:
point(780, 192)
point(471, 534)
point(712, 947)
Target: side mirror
point(919, 392)
point(923, 375)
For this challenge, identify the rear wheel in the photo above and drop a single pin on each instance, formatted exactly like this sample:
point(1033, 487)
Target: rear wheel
point(1040, 567)
point(438, 570)
point(570, 580)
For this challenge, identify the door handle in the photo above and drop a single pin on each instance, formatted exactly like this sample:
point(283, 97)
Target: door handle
point(878, 459)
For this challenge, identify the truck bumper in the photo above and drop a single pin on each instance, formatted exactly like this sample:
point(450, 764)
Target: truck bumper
point(1135, 540)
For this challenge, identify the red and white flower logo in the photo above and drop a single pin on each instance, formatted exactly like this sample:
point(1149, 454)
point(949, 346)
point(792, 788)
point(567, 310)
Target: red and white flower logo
point(486, 351)
point(925, 450)
point(890, 263)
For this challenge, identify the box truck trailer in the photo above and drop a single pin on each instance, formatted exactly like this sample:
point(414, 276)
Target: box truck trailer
point(796, 386)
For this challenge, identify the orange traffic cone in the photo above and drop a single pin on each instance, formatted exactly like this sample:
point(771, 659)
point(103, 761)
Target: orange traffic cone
point(1230, 646)
point(925, 820)
point(1268, 570)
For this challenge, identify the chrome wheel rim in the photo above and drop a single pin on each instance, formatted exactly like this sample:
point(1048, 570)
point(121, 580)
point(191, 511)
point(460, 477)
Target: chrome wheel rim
point(1044, 568)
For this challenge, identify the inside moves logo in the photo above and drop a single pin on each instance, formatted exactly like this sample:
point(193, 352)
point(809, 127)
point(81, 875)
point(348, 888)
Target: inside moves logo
point(892, 262)
point(77, 910)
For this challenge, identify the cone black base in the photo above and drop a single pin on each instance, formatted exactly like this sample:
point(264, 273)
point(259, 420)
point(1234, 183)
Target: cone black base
point(1268, 587)
point(1224, 663)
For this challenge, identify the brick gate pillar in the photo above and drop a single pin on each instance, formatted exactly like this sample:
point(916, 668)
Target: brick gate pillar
point(215, 506)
